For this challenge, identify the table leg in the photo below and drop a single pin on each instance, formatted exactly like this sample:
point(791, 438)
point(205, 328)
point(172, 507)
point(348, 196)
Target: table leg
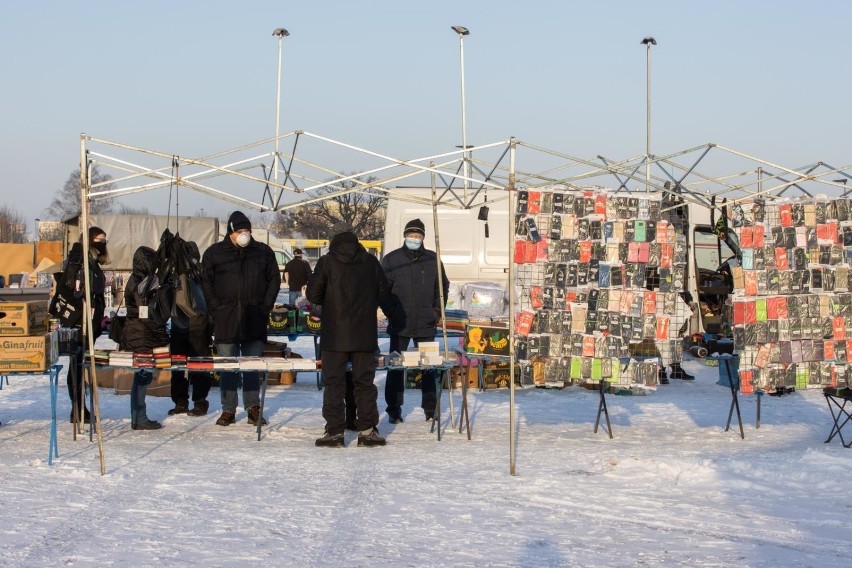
point(437, 423)
point(836, 416)
point(465, 412)
point(735, 403)
point(53, 450)
point(603, 409)
point(263, 380)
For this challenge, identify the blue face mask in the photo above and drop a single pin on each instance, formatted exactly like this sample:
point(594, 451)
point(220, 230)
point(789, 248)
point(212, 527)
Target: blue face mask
point(413, 244)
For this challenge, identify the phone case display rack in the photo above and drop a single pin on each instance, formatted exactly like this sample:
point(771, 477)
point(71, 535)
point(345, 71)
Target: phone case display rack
point(598, 270)
point(792, 305)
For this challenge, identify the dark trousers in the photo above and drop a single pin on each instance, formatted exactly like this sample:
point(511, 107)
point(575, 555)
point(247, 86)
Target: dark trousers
point(395, 381)
point(201, 381)
point(349, 398)
point(75, 375)
point(365, 391)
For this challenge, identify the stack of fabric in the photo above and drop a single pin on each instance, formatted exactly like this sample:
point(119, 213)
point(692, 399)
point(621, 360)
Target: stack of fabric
point(225, 363)
point(121, 359)
point(456, 320)
point(162, 357)
point(101, 356)
point(143, 359)
point(199, 363)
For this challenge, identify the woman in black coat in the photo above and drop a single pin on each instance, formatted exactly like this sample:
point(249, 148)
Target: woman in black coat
point(141, 333)
point(71, 283)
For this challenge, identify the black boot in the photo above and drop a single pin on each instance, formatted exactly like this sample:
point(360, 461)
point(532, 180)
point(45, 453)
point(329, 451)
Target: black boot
point(679, 373)
point(200, 409)
point(181, 407)
point(661, 376)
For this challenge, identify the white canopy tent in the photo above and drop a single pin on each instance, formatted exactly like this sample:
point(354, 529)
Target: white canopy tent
point(244, 177)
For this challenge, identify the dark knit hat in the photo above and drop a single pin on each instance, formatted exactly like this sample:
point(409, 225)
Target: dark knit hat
point(238, 221)
point(338, 228)
point(415, 226)
point(94, 232)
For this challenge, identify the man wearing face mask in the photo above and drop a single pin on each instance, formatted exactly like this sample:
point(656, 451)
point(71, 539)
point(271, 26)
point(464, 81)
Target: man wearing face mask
point(71, 281)
point(412, 272)
point(240, 282)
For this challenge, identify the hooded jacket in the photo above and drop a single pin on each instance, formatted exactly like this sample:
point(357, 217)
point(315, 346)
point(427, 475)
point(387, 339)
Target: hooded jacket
point(240, 285)
point(413, 278)
point(73, 272)
point(350, 285)
point(141, 334)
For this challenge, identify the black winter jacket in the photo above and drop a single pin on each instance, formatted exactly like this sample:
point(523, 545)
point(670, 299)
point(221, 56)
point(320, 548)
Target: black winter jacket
point(140, 334)
point(413, 278)
point(350, 285)
point(74, 271)
point(240, 286)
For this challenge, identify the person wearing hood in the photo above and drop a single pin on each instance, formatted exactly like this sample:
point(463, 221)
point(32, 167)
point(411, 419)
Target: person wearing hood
point(71, 285)
point(350, 285)
point(141, 333)
point(240, 280)
point(412, 272)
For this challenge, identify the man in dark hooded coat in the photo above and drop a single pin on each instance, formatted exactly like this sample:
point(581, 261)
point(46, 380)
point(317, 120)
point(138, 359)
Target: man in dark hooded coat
point(350, 285)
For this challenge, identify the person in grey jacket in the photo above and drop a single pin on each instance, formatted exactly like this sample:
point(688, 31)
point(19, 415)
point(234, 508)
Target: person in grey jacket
point(412, 272)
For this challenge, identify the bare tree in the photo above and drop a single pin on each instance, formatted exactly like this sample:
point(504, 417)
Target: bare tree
point(125, 209)
point(66, 202)
point(13, 228)
point(364, 210)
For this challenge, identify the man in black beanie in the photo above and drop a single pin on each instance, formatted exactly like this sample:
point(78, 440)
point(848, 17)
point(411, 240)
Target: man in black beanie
point(240, 283)
point(412, 272)
point(349, 284)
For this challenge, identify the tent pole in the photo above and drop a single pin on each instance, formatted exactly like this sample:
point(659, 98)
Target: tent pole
point(85, 181)
point(511, 334)
point(441, 292)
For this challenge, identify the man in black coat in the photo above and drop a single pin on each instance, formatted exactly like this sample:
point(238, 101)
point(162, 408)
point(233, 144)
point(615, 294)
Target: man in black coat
point(350, 285)
point(240, 282)
point(297, 272)
point(412, 272)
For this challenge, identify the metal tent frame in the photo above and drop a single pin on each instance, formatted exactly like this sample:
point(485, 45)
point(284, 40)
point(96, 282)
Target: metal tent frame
point(459, 178)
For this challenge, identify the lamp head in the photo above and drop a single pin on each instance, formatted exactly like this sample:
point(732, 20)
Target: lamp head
point(280, 32)
point(461, 30)
point(649, 40)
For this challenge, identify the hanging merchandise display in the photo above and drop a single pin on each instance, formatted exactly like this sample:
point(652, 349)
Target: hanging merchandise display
point(600, 273)
point(792, 307)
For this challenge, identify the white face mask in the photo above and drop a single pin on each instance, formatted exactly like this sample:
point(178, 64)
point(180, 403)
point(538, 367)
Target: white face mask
point(243, 239)
point(412, 243)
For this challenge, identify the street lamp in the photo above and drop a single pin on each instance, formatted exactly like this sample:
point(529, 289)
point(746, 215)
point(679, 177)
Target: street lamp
point(281, 33)
point(463, 31)
point(35, 242)
point(648, 42)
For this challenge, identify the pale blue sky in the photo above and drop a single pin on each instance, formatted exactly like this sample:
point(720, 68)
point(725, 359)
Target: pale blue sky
point(193, 77)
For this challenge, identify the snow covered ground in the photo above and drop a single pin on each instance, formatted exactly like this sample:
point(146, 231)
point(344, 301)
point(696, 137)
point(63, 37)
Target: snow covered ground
point(672, 488)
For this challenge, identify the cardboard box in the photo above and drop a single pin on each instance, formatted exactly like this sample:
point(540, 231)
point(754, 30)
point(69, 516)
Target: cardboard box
point(160, 386)
point(281, 378)
point(496, 375)
point(487, 340)
point(24, 318)
point(31, 353)
point(106, 376)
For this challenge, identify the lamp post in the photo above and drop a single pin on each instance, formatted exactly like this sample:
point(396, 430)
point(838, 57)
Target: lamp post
point(35, 242)
point(281, 33)
point(648, 42)
point(463, 31)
